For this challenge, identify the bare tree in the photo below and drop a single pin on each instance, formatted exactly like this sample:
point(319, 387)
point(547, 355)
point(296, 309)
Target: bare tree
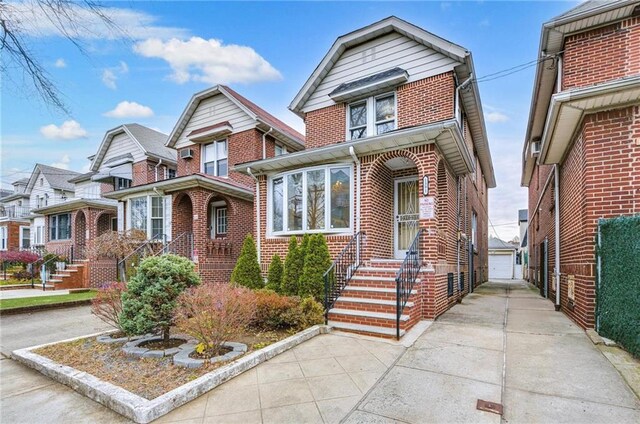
point(65, 17)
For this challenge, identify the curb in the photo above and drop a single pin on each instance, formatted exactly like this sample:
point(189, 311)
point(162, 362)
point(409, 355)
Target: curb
point(38, 308)
point(140, 409)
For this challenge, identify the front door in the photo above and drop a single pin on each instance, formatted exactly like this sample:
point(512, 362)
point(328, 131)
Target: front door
point(406, 215)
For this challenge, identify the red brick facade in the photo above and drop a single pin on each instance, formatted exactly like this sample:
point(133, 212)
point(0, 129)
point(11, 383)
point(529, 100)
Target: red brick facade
point(13, 233)
point(599, 175)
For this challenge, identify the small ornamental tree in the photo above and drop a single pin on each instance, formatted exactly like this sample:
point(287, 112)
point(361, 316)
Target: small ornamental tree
point(150, 299)
point(274, 276)
point(293, 264)
point(247, 270)
point(316, 263)
point(107, 305)
point(304, 247)
point(214, 314)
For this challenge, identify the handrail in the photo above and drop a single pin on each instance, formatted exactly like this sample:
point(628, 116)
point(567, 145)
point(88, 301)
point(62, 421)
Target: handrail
point(341, 270)
point(121, 264)
point(67, 252)
point(406, 277)
point(171, 246)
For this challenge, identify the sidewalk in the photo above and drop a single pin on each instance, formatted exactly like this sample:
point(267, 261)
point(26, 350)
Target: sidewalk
point(503, 344)
point(37, 292)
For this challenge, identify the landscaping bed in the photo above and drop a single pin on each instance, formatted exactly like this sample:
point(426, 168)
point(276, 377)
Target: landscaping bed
point(146, 377)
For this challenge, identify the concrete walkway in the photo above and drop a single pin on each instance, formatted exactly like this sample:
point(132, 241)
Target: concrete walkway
point(37, 292)
point(503, 344)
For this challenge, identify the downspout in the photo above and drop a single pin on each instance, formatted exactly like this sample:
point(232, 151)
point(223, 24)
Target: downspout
point(459, 234)
point(456, 100)
point(264, 144)
point(556, 199)
point(156, 169)
point(258, 226)
point(357, 162)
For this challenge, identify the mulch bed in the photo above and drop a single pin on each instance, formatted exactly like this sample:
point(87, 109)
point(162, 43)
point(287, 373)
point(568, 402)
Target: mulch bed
point(146, 377)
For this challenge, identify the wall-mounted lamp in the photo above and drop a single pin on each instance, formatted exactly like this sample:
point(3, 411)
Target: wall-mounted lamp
point(425, 185)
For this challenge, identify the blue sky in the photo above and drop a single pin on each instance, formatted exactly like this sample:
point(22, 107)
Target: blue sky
point(264, 50)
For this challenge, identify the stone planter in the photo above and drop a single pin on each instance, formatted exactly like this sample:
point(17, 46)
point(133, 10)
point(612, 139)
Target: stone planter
point(183, 359)
point(133, 347)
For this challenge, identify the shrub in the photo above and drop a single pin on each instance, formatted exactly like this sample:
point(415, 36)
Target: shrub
point(214, 314)
point(305, 314)
point(107, 305)
point(247, 270)
point(151, 295)
point(19, 257)
point(22, 275)
point(304, 246)
point(116, 245)
point(271, 310)
point(274, 276)
point(293, 264)
point(316, 263)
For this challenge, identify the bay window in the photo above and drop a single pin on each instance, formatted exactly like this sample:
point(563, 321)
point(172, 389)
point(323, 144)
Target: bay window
point(146, 213)
point(373, 116)
point(214, 158)
point(311, 200)
point(60, 227)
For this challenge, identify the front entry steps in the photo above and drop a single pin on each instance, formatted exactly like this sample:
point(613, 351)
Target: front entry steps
point(368, 304)
point(72, 277)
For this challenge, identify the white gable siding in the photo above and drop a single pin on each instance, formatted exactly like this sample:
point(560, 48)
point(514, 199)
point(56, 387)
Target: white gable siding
point(389, 51)
point(214, 110)
point(122, 144)
point(88, 190)
point(41, 191)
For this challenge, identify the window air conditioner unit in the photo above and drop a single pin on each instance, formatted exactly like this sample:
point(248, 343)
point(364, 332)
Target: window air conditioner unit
point(535, 148)
point(186, 154)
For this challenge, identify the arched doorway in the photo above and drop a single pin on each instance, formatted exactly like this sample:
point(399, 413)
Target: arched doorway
point(80, 235)
point(104, 223)
point(182, 226)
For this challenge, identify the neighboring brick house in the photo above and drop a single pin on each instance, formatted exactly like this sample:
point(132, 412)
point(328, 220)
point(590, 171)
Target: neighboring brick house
point(581, 157)
point(207, 210)
point(395, 142)
point(15, 225)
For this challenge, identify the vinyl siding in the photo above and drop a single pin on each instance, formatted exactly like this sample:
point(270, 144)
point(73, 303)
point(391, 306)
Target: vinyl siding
point(376, 56)
point(214, 110)
point(121, 144)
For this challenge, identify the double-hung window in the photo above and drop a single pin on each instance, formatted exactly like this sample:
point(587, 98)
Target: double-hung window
point(214, 161)
point(3, 237)
point(311, 200)
point(474, 229)
point(121, 183)
point(280, 150)
point(38, 237)
point(25, 237)
point(60, 227)
point(372, 116)
point(146, 213)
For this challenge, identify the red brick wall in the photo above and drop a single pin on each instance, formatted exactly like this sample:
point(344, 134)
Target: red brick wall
point(602, 54)
point(419, 103)
point(143, 173)
point(600, 178)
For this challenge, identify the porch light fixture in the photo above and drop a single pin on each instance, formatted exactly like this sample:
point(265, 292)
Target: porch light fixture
point(425, 185)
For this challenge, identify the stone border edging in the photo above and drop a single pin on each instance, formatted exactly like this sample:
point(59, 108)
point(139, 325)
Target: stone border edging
point(138, 408)
point(37, 308)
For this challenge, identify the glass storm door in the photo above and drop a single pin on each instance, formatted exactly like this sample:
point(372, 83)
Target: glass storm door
point(406, 215)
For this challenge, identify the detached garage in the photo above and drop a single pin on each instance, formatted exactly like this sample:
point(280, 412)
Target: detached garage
point(502, 259)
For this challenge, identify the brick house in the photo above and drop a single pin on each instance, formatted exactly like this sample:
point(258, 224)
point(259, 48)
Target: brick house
point(206, 211)
point(395, 143)
point(15, 225)
point(581, 157)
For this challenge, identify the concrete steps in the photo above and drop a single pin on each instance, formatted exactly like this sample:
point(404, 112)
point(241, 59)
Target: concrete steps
point(72, 277)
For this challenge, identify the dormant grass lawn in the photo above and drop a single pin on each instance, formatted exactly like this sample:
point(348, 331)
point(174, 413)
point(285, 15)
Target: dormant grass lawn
point(6, 304)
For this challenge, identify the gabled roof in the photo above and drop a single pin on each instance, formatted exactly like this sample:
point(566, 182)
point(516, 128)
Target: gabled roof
point(290, 136)
point(581, 18)
point(21, 181)
point(82, 177)
point(497, 244)
point(57, 178)
point(151, 142)
point(465, 70)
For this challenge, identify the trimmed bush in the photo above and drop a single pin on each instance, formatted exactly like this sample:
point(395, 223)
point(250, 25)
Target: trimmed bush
point(307, 313)
point(274, 276)
point(214, 314)
point(316, 263)
point(247, 270)
point(293, 265)
point(151, 296)
point(272, 310)
point(107, 305)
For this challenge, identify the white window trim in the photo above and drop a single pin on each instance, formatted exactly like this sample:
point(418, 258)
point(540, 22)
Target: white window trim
point(20, 233)
point(203, 154)
point(217, 210)
point(3, 237)
point(149, 211)
point(58, 226)
point(371, 113)
point(327, 215)
point(38, 235)
point(283, 150)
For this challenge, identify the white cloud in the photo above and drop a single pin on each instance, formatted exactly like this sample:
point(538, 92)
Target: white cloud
point(495, 117)
point(60, 63)
point(109, 79)
point(127, 109)
point(209, 61)
point(69, 130)
point(123, 68)
point(63, 163)
point(38, 21)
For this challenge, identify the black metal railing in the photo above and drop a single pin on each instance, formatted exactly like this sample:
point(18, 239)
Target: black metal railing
point(53, 261)
point(341, 270)
point(406, 278)
point(148, 247)
point(181, 246)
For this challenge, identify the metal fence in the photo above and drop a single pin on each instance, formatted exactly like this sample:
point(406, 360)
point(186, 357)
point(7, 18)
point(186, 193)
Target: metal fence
point(618, 281)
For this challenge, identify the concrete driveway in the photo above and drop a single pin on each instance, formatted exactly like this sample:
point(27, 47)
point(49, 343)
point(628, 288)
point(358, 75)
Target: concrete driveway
point(503, 344)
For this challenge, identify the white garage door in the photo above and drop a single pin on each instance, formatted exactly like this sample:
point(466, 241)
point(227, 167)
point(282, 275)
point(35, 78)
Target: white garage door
point(500, 266)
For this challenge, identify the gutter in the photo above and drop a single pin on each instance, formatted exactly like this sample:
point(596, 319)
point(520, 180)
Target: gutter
point(156, 168)
point(556, 199)
point(258, 223)
point(456, 99)
point(358, 165)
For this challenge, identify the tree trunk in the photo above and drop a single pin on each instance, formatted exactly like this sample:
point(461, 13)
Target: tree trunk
point(165, 334)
